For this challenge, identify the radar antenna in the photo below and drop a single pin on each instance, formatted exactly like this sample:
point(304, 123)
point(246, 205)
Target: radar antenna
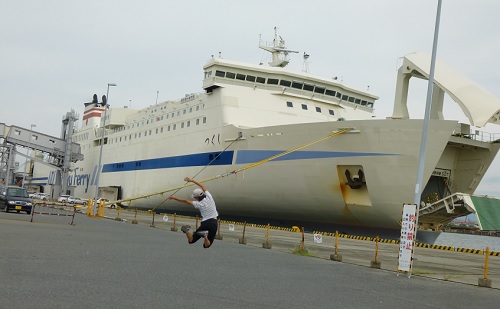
point(278, 50)
point(305, 65)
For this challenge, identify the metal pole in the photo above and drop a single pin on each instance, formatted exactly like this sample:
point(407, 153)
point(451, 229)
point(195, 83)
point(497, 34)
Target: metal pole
point(425, 129)
point(26, 162)
point(100, 150)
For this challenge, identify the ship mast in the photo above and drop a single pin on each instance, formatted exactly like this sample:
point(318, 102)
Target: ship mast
point(278, 51)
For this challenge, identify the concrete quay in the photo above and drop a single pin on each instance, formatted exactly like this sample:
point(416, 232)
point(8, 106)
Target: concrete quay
point(101, 263)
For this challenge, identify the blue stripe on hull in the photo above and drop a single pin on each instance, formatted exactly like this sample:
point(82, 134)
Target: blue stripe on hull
point(251, 156)
point(201, 159)
point(226, 158)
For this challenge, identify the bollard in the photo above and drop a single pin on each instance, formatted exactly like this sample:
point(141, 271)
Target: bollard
point(243, 241)
point(32, 212)
point(336, 256)
point(174, 228)
point(135, 217)
point(375, 263)
point(267, 244)
point(153, 222)
point(219, 236)
point(485, 282)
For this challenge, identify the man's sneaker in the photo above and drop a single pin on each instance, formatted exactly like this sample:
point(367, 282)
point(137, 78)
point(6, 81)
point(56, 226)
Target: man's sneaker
point(203, 234)
point(185, 228)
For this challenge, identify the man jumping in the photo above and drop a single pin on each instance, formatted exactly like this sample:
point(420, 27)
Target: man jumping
point(205, 203)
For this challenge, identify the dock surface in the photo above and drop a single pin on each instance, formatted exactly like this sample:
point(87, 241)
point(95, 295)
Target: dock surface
point(99, 263)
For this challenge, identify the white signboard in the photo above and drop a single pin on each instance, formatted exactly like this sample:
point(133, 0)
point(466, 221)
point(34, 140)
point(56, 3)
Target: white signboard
point(318, 238)
point(407, 239)
point(231, 227)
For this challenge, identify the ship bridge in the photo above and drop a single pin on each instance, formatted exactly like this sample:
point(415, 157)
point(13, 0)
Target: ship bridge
point(61, 151)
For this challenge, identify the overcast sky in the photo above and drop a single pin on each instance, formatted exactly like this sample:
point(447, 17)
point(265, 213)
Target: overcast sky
point(55, 54)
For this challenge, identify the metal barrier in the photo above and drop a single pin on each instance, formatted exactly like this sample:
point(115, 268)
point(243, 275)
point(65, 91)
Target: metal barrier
point(54, 209)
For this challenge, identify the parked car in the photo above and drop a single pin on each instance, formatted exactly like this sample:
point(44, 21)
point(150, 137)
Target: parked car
point(76, 200)
point(41, 196)
point(15, 198)
point(63, 198)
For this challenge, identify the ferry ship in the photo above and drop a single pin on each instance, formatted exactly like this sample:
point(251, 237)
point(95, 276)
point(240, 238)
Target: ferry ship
point(284, 145)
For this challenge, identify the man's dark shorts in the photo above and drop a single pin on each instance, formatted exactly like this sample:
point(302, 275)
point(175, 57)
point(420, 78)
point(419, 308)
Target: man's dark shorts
point(209, 225)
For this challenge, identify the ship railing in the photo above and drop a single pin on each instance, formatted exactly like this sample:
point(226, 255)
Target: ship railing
point(479, 136)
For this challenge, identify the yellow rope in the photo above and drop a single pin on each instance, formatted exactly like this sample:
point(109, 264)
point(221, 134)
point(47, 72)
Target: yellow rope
point(249, 166)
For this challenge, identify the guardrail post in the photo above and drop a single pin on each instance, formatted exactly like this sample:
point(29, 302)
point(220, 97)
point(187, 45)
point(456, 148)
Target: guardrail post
point(118, 208)
point(174, 228)
point(336, 256)
point(73, 216)
point(218, 236)
point(376, 263)
point(243, 241)
point(266, 244)
point(135, 217)
point(32, 211)
point(153, 222)
point(485, 282)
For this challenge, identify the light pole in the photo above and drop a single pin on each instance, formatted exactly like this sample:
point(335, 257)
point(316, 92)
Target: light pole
point(102, 144)
point(26, 163)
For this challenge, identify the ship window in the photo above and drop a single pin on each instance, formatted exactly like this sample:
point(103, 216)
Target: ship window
point(197, 121)
point(344, 97)
point(219, 73)
point(331, 112)
point(168, 128)
point(363, 102)
point(289, 104)
point(146, 133)
point(173, 128)
point(130, 137)
point(166, 116)
point(204, 119)
point(319, 90)
point(308, 87)
point(135, 135)
point(230, 75)
point(297, 85)
point(250, 78)
point(190, 109)
point(370, 104)
point(339, 95)
point(285, 83)
point(197, 107)
point(318, 109)
point(330, 92)
point(182, 125)
point(358, 101)
point(139, 135)
point(261, 80)
point(120, 139)
point(304, 106)
point(156, 130)
point(188, 124)
point(173, 114)
point(351, 99)
point(184, 112)
point(272, 81)
point(240, 76)
point(178, 113)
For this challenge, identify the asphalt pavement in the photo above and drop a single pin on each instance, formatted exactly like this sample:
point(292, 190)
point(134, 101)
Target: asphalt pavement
point(100, 263)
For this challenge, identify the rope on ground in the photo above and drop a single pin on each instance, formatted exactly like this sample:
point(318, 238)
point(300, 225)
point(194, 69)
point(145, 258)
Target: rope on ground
point(249, 166)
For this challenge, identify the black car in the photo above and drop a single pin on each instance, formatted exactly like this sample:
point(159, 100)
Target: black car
point(15, 198)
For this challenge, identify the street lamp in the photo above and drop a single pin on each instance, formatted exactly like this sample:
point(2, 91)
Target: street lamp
point(26, 162)
point(102, 144)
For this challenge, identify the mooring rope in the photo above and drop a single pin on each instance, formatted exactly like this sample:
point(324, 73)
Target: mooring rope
point(249, 166)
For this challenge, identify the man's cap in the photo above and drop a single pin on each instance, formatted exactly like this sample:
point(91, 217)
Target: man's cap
point(198, 193)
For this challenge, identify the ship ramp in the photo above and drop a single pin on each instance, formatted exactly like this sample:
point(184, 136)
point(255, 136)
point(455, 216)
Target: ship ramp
point(487, 210)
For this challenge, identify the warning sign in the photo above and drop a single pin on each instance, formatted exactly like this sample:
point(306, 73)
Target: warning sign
point(407, 238)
